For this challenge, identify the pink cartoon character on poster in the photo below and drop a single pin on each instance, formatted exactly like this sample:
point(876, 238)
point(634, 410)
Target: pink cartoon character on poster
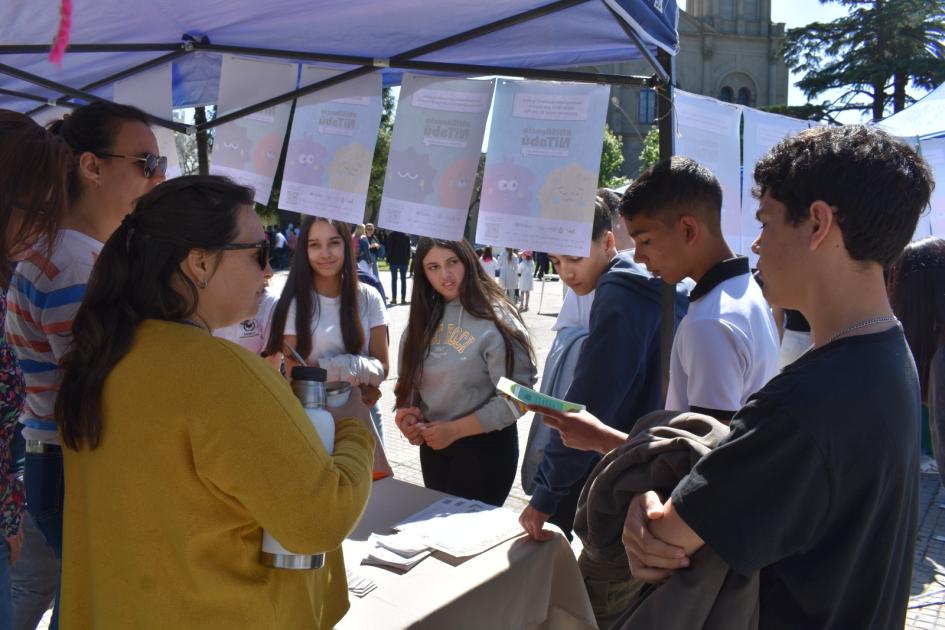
point(266, 154)
point(507, 189)
point(305, 161)
point(231, 147)
point(456, 184)
point(409, 176)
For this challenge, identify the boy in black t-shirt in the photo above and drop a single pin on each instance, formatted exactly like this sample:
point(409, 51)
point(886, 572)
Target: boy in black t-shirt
point(816, 487)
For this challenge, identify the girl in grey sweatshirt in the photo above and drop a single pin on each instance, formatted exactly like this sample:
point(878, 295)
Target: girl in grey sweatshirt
point(463, 334)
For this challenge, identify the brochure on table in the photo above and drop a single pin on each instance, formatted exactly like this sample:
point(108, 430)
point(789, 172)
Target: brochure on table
point(541, 169)
point(151, 92)
point(707, 132)
point(331, 147)
point(461, 527)
point(434, 155)
point(248, 149)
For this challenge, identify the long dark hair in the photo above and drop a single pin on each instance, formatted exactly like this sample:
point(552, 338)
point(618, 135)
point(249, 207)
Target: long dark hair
point(92, 128)
point(34, 169)
point(480, 296)
point(133, 280)
point(300, 286)
point(917, 293)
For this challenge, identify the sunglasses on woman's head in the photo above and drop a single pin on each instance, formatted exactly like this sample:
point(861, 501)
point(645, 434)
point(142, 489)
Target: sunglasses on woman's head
point(152, 164)
point(262, 254)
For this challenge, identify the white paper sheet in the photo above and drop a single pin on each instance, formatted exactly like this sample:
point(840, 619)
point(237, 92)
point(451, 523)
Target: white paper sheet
point(434, 154)
point(762, 132)
point(461, 527)
point(707, 131)
point(331, 147)
point(248, 149)
point(541, 170)
point(934, 153)
point(151, 92)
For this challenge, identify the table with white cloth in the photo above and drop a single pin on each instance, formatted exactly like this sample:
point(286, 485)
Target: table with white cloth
point(518, 584)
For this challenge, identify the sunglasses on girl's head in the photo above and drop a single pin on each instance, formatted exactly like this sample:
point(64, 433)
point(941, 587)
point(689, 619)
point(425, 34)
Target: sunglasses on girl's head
point(262, 246)
point(153, 164)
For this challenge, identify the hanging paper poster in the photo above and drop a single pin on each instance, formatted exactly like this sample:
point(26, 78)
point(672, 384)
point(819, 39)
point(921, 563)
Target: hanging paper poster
point(762, 132)
point(151, 92)
point(707, 132)
point(434, 155)
point(248, 149)
point(933, 151)
point(541, 171)
point(331, 147)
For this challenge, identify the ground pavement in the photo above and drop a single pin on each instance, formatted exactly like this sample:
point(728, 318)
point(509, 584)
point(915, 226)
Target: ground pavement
point(927, 601)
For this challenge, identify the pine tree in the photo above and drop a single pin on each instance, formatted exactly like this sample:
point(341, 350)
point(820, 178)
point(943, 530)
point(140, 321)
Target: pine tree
point(874, 51)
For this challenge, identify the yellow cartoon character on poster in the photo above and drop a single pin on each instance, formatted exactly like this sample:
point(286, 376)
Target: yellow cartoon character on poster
point(565, 191)
point(350, 169)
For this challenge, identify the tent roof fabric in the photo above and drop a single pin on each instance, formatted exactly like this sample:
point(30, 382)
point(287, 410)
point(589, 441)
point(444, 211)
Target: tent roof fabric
point(583, 33)
point(924, 119)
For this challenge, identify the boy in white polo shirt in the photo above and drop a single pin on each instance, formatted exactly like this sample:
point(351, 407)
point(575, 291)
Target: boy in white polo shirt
point(726, 347)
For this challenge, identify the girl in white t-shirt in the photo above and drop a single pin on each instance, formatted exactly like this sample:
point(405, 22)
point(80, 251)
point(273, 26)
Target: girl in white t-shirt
point(327, 316)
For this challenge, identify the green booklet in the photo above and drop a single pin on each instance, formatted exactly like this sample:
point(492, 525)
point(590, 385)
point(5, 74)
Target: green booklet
point(526, 396)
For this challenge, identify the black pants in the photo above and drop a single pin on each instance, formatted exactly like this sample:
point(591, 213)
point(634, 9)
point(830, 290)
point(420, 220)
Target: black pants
point(480, 467)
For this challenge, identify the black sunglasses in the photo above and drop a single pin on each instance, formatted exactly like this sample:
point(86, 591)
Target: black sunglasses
point(153, 164)
point(262, 246)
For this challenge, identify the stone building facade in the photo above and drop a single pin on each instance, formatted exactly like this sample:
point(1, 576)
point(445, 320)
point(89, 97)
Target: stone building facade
point(728, 49)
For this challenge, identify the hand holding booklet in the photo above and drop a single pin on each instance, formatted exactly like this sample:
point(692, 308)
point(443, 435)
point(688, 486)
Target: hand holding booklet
point(525, 396)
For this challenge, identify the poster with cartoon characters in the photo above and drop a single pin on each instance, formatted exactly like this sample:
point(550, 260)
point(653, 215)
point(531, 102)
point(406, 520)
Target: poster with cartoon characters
point(248, 149)
point(151, 92)
point(331, 147)
point(541, 169)
point(434, 155)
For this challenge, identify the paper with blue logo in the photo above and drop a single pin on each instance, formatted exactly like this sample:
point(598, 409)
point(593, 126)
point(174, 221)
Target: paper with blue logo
point(247, 150)
point(331, 147)
point(434, 155)
point(541, 172)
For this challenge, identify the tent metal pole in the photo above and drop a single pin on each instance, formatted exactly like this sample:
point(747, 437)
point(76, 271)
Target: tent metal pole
point(26, 96)
point(43, 49)
point(491, 27)
point(288, 96)
point(124, 74)
point(286, 54)
point(68, 91)
point(528, 73)
point(654, 62)
point(667, 127)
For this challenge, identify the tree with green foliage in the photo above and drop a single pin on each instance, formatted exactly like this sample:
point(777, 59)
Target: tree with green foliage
point(650, 154)
point(381, 152)
point(611, 159)
point(875, 51)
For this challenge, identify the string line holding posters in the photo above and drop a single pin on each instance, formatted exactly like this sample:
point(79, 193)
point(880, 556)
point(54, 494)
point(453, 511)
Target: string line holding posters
point(541, 172)
point(331, 147)
point(434, 155)
point(248, 149)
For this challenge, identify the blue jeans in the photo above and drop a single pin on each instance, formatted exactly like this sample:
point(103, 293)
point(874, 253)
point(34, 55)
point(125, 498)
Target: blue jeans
point(44, 498)
point(378, 421)
point(402, 270)
point(6, 603)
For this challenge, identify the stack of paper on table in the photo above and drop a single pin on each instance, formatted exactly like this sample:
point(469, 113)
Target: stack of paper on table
point(461, 527)
point(398, 551)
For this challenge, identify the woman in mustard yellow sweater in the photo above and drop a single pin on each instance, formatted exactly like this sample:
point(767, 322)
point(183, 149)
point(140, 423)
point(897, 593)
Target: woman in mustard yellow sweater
point(182, 448)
